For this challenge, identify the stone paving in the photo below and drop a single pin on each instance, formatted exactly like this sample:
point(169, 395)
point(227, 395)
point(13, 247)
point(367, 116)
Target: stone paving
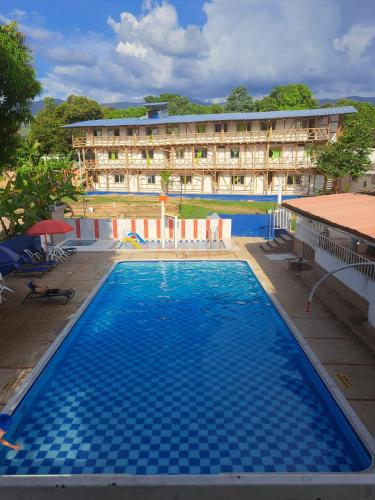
point(26, 332)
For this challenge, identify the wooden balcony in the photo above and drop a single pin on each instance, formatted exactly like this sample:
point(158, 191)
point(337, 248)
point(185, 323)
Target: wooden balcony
point(201, 164)
point(219, 138)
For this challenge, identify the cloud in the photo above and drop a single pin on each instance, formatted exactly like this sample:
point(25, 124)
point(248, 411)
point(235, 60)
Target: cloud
point(18, 14)
point(355, 42)
point(242, 42)
point(61, 55)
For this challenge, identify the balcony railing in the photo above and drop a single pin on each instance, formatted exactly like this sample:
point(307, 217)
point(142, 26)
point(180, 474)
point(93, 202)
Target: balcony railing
point(198, 164)
point(317, 240)
point(282, 135)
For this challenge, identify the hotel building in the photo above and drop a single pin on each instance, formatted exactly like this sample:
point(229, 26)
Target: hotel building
point(228, 153)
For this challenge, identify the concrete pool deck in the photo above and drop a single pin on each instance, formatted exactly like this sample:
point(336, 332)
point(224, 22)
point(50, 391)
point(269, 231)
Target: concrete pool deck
point(27, 332)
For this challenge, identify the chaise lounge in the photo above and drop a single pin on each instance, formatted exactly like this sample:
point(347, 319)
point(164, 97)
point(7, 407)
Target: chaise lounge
point(40, 291)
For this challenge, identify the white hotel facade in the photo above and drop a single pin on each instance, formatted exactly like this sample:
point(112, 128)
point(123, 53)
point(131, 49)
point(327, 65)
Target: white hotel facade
point(231, 153)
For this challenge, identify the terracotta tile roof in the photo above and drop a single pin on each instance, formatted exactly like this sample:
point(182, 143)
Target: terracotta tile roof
point(350, 212)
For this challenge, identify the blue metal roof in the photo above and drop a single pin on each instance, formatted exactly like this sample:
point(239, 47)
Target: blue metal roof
point(264, 115)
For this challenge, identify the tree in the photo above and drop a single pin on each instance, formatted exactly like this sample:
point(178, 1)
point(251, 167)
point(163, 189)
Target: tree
point(47, 127)
point(47, 131)
point(293, 96)
point(18, 87)
point(31, 190)
point(350, 154)
point(79, 109)
point(28, 152)
point(130, 112)
point(239, 101)
point(366, 114)
point(165, 176)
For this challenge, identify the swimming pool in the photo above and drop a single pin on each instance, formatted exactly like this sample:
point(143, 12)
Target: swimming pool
point(181, 368)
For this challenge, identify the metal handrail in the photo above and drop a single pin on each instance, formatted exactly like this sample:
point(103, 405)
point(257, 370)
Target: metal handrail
point(318, 240)
point(160, 163)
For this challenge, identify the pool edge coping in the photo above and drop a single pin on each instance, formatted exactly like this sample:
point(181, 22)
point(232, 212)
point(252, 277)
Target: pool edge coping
point(360, 478)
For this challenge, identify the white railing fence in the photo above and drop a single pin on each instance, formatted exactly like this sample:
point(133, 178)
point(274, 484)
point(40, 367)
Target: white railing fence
point(318, 240)
point(282, 219)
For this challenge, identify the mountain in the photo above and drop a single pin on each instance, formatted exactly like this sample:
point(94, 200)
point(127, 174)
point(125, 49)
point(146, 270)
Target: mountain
point(37, 106)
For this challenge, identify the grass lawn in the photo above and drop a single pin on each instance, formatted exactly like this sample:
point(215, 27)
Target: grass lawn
point(190, 209)
point(199, 209)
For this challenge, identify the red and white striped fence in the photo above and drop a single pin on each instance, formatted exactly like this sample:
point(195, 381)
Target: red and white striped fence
point(151, 229)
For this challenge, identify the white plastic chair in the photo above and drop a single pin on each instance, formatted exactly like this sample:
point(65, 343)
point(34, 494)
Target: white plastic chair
point(57, 253)
point(3, 287)
point(34, 256)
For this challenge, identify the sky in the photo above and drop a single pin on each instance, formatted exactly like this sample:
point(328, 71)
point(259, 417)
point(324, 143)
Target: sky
point(113, 50)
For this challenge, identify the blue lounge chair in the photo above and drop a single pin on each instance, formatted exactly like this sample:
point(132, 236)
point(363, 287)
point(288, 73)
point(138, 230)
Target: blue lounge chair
point(40, 291)
point(20, 268)
point(29, 261)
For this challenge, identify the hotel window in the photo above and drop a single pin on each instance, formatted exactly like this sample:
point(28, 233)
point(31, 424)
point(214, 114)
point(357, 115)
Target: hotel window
point(264, 126)
point(167, 155)
point(147, 153)
point(185, 179)
point(235, 153)
point(200, 153)
point(97, 132)
point(150, 179)
point(113, 132)
point(201, 128)
point(294, 180)
point(151, 131)
point(221, 127)
point(180, 153)
point(113, 155)
point(130, 131)
point(244, 126)
point(275, 153)
point(172, 129)
point(238, 180)
point(119, 179)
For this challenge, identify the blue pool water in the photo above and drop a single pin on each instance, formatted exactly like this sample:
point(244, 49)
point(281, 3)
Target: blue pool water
point(181, 368)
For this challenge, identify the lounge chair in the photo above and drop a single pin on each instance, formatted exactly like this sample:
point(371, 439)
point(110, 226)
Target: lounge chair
point(40, 291)
point(29, 261)
point(20, 268)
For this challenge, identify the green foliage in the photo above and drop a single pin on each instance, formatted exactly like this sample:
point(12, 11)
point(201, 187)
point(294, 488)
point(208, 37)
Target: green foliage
point(165, 176)
point(366, 114)
point(18, 87)
point(181, 105)
point(46, 127)
point(131, 112)
point(46, 130)
point(293, 96)
point(350, 154)
point(32, 189)
point(239, 101)
point(28, 152)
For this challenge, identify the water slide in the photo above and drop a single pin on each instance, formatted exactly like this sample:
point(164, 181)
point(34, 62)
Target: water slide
point(132, 241)
point(136, 235)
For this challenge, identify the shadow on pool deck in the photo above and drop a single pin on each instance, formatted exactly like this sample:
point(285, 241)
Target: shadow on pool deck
point(27, 332)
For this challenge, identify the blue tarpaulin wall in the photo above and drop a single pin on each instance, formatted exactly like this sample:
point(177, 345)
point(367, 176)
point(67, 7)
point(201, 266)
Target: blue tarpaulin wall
point(18, 245)
point(247, 224)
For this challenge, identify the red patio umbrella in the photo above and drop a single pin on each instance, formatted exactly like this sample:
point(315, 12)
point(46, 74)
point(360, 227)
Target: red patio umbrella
point(49, 226)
